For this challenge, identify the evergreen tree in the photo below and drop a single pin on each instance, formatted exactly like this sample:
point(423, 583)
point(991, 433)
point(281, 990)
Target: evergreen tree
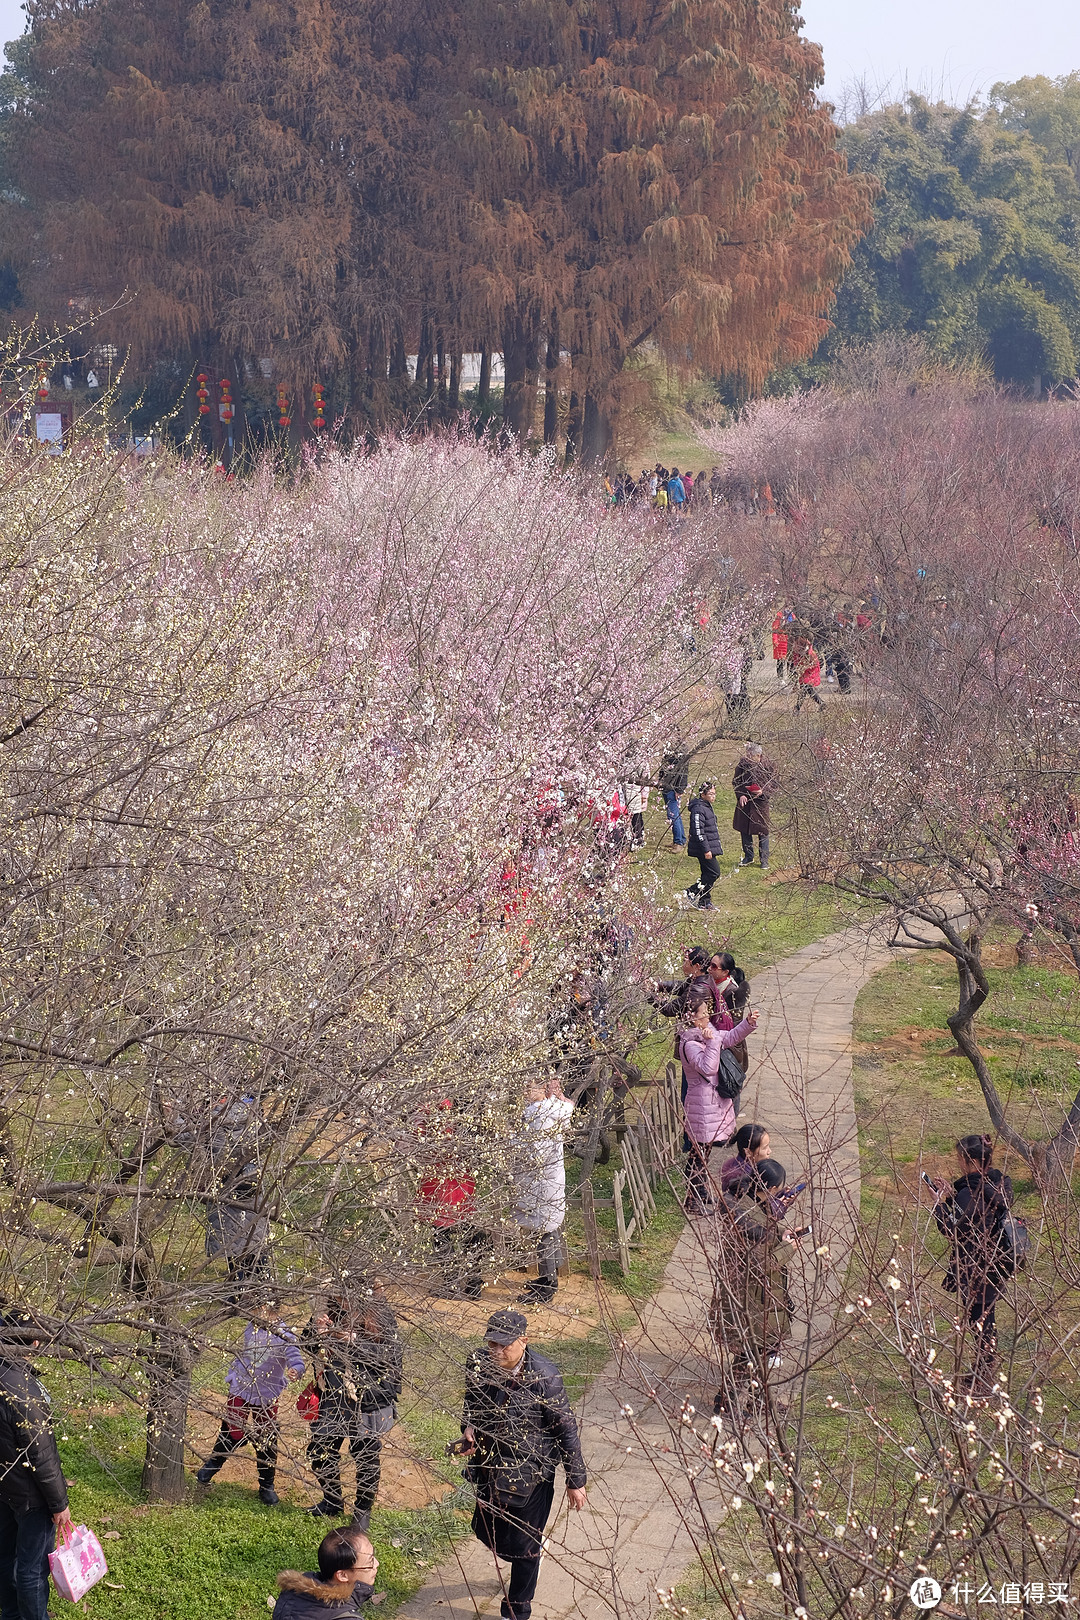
point(974, 244)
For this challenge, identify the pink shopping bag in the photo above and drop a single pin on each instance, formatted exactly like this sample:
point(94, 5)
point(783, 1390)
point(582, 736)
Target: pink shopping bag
point(77, 1564)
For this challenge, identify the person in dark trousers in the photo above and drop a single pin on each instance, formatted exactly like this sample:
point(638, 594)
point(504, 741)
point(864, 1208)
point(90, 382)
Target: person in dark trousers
point(674, 781)
point(357, 1354)
point(269, 1361)
point(753, 782)
point(518, 1428)
point(970, 1216)
point(341, 1585)
point(33, 1494)
point(704, 843)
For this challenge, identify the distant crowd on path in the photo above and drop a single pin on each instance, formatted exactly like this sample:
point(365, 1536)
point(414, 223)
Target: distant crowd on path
point(675, 493)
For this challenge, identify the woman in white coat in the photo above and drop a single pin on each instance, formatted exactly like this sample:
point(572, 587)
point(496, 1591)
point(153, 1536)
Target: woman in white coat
point(541, 1196)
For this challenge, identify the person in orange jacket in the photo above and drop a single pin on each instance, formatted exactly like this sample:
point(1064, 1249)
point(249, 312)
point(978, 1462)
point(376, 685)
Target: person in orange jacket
point(780, 642)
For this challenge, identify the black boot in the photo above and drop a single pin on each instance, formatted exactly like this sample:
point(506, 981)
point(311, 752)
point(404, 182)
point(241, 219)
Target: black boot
point(361, 1518)
point(327, 1510)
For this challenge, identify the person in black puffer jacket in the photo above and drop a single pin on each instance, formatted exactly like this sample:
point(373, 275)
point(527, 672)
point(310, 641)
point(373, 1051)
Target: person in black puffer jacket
point(970, 1216)
point(33, 1493)
point(704, 843)
point(518, 1428)
point(340, 1586)
point(358, 1359)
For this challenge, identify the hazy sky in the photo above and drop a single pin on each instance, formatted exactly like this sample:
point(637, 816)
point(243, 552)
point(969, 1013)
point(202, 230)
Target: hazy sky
point(953, 47)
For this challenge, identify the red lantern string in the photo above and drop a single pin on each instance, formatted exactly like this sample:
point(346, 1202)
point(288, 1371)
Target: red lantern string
point(203, 395)
point(227, 410)
point(284, 419)
point(43, 382)
point(319, 419)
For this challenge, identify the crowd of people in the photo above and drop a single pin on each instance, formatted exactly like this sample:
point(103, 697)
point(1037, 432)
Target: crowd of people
point(517, 1426)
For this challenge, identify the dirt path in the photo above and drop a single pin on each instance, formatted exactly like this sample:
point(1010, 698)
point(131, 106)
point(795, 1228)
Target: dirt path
point(636, 1534)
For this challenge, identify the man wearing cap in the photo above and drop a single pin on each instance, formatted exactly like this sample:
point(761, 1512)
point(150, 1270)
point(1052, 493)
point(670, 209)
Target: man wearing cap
point(518, 1427)
point(33, 1495)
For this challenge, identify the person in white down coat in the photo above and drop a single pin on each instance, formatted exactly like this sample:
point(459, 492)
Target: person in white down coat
point(541, 1197)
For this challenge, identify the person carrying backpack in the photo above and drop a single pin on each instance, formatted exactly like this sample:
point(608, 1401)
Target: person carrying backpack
point(971, 1216)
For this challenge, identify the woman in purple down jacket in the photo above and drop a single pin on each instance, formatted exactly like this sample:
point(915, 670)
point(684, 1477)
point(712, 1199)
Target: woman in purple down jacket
point(708, 1117)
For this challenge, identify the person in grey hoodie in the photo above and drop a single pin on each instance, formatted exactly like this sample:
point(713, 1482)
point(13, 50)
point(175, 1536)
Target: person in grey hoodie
point(339, 1588)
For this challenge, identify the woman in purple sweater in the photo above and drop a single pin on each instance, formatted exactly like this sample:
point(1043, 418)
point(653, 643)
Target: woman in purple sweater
point(709, 1118)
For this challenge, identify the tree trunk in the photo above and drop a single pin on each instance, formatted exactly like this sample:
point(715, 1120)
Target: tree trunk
point(483, 391)
point(551, 389)
point(974, 989)
point(519, 364)
point(596, 433)
point(399, 364)
point(440, 372)
point(169, 1377)
point(455, 382)
point(573, 430)
point(424, 369)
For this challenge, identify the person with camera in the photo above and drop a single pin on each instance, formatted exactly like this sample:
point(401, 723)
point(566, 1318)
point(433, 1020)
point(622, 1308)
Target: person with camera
point(517, 1427)
point(709, 1106)
point(971, 1215)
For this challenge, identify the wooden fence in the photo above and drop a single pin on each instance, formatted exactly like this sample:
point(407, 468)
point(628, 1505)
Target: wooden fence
point(650, 1147)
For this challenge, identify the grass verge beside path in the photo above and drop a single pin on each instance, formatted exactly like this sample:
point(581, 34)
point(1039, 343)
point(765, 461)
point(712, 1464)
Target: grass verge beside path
point(759, 916)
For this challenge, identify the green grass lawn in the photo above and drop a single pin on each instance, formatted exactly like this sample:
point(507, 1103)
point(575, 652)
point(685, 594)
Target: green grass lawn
point(914, 1095)
point(759, 916)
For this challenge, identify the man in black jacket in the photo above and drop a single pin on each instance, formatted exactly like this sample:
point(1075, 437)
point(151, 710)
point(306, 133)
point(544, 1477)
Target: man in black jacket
point(518, 1427)
point(358, 1359)
point(704, 842)
point(33, 1495)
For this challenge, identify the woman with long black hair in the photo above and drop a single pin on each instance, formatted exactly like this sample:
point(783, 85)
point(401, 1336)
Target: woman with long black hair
point(971, 1216)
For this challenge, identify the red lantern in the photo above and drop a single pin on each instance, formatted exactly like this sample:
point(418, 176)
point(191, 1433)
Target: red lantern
point(226, 410)
point(203, 394)
point(319, 419)
point(43, 381)
point(284, 419)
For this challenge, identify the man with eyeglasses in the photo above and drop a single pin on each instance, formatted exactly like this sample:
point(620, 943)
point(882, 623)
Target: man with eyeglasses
point(342, 1584)
point(517, 1428)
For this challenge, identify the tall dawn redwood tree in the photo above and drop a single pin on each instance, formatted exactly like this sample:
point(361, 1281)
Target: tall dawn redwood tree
point(332, 186)
point(298, 790)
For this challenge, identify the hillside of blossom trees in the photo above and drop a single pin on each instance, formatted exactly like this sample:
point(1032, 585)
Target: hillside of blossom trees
point(306, 798)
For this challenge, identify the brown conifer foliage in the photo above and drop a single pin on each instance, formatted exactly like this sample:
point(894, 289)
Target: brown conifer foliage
point(652, 173)
point(337, 184)
point(227, 168)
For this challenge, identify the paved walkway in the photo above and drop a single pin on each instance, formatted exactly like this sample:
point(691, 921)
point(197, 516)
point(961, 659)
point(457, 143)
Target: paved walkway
point(638, 1530)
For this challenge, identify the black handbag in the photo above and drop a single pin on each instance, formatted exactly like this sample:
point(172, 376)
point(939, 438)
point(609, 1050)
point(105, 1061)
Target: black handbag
point(730, 1078)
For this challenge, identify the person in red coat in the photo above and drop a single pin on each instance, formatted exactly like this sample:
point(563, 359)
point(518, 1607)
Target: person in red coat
point(779, 641)
point(806, 667)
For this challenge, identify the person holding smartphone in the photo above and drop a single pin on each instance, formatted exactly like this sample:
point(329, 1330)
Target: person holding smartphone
point(518, 1428)
point(750, 1313)
point(970, 1214)
point(709, 1118)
